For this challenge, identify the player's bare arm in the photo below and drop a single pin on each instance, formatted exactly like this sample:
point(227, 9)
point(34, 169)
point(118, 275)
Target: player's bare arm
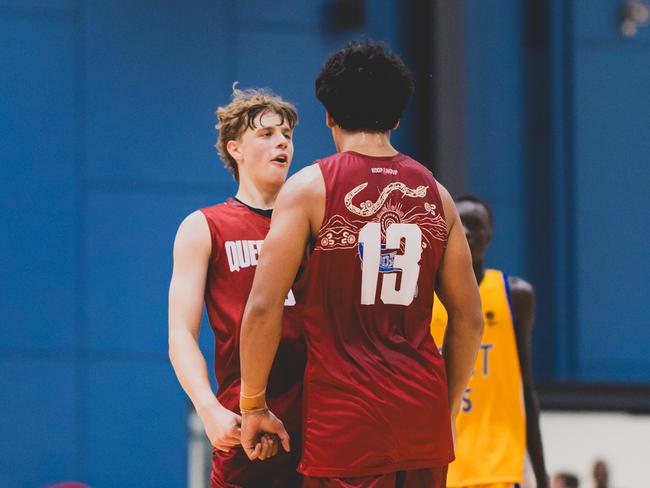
point(523, 304)
point(458, 291)
point(192, 249)
point(294, 220)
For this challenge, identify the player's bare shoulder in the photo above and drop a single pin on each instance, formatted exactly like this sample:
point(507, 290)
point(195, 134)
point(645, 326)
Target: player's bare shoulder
point(448, 205)
point(520, 288)
point(306, 183)
point(522, 296)
point(193, 235)
point(304, 191)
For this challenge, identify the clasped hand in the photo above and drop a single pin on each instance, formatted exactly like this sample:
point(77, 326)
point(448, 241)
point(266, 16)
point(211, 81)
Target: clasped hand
point(260, 433)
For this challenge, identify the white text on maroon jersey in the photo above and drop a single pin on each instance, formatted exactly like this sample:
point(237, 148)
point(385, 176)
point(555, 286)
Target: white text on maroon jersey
point(386, 171)
point(242, 254)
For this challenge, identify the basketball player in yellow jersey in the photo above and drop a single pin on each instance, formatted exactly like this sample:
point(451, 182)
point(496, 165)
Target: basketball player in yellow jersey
point(499, 417)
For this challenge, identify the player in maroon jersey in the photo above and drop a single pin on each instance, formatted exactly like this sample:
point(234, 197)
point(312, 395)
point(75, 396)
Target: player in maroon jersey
point(384, 234)
point(215, 255)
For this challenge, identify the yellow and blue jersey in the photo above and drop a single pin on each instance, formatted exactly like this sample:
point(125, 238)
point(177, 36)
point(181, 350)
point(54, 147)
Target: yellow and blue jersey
point(491, 425)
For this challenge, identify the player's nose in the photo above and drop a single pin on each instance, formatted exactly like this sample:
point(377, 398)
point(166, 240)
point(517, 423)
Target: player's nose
point(283, 141)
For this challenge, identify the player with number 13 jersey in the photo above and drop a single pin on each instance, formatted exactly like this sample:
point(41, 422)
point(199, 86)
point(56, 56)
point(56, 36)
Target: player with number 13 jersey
point(378, 397)
point(366, 318)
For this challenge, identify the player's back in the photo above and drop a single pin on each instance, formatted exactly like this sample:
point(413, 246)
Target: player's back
point(375, 386)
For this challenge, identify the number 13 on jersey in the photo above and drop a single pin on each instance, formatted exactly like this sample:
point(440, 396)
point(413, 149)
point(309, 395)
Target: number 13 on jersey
point(389, 263)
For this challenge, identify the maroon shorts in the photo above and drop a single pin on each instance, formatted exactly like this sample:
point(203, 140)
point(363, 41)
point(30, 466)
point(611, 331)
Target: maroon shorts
point(234, 470)
point(417, 478)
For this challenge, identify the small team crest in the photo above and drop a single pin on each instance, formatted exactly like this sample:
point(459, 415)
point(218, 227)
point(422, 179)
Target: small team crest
point(386, 261)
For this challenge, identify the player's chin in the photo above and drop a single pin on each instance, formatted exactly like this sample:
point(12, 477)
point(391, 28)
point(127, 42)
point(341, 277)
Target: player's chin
point(279, 170)
point(277, 165)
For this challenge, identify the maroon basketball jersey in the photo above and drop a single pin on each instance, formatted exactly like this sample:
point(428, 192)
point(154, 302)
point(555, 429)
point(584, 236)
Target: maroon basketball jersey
point(237, 235)
point(375, 396)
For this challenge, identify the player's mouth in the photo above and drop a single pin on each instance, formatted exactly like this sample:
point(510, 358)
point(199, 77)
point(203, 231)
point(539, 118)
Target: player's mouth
point(281, 159)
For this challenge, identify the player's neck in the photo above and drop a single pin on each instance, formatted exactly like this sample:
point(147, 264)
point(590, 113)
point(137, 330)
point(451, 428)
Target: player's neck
point(255, 197)
point(369, 143)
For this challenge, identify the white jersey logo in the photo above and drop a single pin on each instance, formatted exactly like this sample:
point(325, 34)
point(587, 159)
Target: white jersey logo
point(243, 254)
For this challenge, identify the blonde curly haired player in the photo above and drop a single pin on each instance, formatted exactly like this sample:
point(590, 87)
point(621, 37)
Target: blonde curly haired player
point(215, 256)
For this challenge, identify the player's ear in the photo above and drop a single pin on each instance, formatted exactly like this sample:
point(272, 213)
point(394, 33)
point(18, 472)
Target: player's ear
point(396, 125)
point(234, 149)
point(329, 121)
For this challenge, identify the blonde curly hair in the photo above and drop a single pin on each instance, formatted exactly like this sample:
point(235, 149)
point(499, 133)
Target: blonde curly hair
point(240, 114)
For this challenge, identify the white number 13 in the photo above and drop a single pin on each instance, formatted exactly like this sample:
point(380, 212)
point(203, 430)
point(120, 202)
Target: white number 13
point(373, 262)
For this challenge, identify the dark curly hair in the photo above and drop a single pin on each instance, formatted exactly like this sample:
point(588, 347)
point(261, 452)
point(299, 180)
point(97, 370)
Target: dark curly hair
point(365, 86)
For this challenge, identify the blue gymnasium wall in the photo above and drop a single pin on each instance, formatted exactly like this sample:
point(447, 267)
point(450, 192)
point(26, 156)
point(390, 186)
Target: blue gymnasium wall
point(494, 122)
point(557, 139)
point(106, 116)
point(606, 173)
point(106, 135)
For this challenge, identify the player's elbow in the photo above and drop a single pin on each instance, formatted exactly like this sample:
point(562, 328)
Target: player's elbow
point(180, 337)
point(468, 319)
point(172, 344)
point(171, 350)
point(476, 321)
point(258, 310)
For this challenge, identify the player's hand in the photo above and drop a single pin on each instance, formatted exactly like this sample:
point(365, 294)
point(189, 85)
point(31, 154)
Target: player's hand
point(222, 427)
point(269, 446)
point(255, 440)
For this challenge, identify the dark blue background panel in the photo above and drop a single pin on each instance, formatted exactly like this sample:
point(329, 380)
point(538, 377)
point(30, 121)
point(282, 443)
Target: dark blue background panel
point(284, 54)
point(155, 76)
point(25, 7)
point(612, 225)
point(506, 250)
point(129, 264)
point(38, 421)
point(291, 76)
point(494, 131)
point(598, 23)
point(310, 18)
point(292, 14)
point(494, 94)
point(38, 186)
point(136, 424)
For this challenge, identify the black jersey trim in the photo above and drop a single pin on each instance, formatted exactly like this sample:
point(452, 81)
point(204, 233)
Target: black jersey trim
point(260, 211)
